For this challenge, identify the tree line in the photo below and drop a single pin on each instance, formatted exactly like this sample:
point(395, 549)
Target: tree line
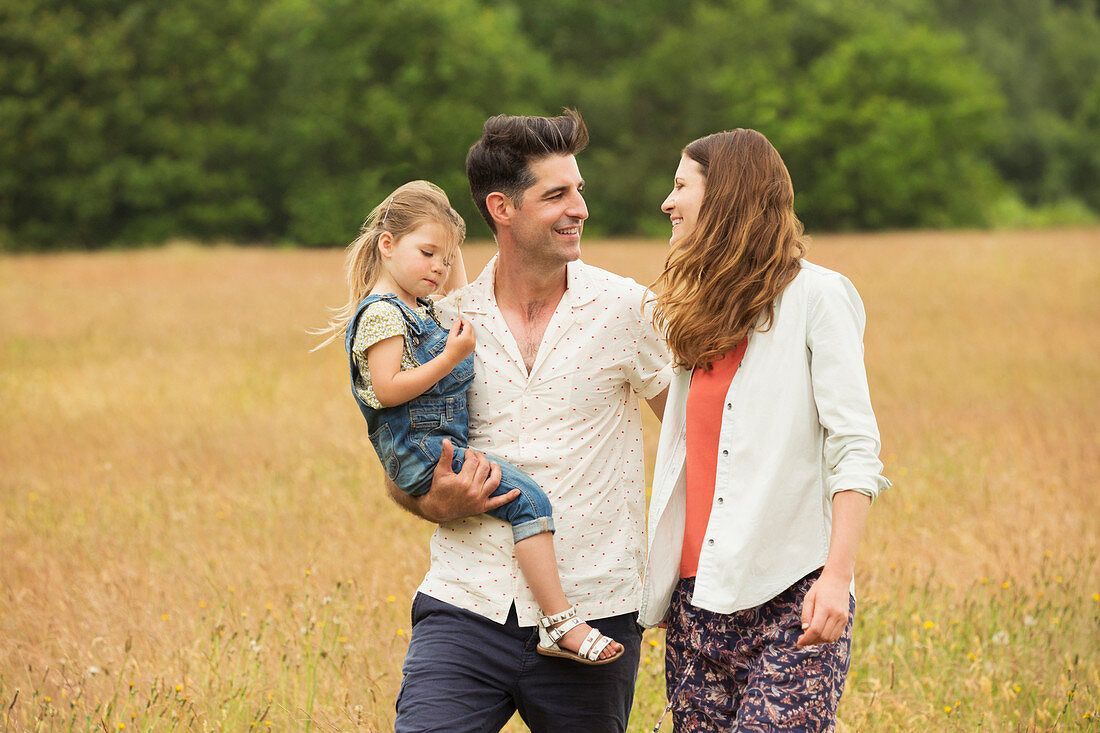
point(283, 121)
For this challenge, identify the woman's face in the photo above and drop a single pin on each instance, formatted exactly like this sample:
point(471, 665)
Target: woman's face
point(682, 205)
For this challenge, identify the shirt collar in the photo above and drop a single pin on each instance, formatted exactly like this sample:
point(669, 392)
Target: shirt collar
point(478, 296)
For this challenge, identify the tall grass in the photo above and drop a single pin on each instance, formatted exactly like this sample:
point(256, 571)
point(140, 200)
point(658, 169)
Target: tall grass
point(194, 533)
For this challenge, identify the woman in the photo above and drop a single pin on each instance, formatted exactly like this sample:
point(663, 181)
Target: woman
point(767, 464)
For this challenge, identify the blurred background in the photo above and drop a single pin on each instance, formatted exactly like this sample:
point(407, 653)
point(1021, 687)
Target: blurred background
point(194, 533)
point(284, 121)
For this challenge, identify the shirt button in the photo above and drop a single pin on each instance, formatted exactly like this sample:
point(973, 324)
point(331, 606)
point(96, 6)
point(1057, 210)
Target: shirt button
point(720, 500)
point(725, 452)
point(710, 542)
point(729, 405)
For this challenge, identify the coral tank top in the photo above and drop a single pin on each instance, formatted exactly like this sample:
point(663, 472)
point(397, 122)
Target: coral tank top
point(705, 404)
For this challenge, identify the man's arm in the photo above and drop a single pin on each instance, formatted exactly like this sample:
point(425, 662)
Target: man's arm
point(657, 404)
point(456, 495)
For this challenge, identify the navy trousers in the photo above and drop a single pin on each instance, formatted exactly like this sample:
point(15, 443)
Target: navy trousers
point(464, 672)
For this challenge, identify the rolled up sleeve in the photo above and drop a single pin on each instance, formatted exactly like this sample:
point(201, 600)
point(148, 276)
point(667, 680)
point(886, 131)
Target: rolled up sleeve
point(835, 341)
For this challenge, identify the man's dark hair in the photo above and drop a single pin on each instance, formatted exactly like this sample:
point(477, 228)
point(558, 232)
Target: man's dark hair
point(501, 159)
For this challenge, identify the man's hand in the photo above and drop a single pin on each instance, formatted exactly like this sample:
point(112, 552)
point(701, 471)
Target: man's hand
point(463, 494)
point(825, 610)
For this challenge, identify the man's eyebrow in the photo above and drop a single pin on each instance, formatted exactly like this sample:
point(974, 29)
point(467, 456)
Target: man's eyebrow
point(561, 189)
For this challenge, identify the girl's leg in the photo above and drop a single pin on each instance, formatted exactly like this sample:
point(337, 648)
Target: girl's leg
point(532, 520)
point(538, 562)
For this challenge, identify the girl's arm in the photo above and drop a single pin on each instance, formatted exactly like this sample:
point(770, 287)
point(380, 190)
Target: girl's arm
point(393, 386)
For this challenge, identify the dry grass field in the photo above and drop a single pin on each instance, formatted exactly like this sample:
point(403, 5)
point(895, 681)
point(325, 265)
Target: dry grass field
point(194, 535)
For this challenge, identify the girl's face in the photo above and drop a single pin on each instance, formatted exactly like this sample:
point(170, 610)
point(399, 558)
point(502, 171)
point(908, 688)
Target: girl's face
point(682, 205)
point(417, 263)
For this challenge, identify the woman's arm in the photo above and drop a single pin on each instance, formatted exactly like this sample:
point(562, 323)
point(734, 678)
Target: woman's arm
point(825, 609)
point(392, 386)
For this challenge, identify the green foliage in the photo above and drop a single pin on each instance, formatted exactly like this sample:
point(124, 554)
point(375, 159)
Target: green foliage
point(1045, 57)
point(286, 120)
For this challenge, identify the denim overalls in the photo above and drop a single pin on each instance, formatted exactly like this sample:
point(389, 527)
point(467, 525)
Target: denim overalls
point(409, 438)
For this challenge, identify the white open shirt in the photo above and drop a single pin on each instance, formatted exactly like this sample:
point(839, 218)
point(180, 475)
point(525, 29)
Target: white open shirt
point(797, 428)
point(574, 425)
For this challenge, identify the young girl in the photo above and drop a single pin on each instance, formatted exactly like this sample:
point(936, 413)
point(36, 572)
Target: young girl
point(768, 457)
point(409, 377)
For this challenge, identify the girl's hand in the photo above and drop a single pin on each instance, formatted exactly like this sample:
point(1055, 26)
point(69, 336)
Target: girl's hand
point(460, 341)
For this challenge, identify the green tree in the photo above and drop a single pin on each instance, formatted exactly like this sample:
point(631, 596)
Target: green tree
point(1045, 56)
point(378, 93)
point(127, 122)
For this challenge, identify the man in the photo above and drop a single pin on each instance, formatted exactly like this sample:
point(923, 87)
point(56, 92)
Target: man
point(563, 353)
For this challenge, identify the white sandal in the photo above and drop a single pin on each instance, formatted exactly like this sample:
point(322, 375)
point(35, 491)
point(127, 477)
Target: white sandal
point(553, 628)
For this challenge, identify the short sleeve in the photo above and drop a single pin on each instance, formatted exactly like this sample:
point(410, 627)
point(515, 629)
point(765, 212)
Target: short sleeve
point(650, 371)
point(381, 320)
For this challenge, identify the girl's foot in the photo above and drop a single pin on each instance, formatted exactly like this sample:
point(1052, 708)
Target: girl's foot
point(566, 636)
point(573, 639)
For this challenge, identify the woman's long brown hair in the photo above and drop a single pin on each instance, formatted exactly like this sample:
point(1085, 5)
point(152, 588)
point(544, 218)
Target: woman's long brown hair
point(721, 280)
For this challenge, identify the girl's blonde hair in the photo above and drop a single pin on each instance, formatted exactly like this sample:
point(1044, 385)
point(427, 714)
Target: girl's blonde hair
point(721, 280)
point(410, 206)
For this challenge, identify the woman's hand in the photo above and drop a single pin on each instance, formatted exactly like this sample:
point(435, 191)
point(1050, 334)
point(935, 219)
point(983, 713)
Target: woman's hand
point(825, 609)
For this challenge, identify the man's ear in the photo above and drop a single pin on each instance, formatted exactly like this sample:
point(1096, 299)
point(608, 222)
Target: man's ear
point(500, 207)
point(385, 243)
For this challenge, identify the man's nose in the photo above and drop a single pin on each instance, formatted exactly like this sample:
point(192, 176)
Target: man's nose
point(577, 208)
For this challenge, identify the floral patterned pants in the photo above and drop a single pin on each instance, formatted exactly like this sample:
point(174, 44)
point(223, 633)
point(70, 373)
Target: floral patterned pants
point(743, 672)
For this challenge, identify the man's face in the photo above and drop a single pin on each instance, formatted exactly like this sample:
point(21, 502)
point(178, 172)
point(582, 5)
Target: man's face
point(547, 223)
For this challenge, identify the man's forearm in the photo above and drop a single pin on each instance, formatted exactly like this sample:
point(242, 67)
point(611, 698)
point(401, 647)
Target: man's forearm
point(657, 404)
point(403, 500)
